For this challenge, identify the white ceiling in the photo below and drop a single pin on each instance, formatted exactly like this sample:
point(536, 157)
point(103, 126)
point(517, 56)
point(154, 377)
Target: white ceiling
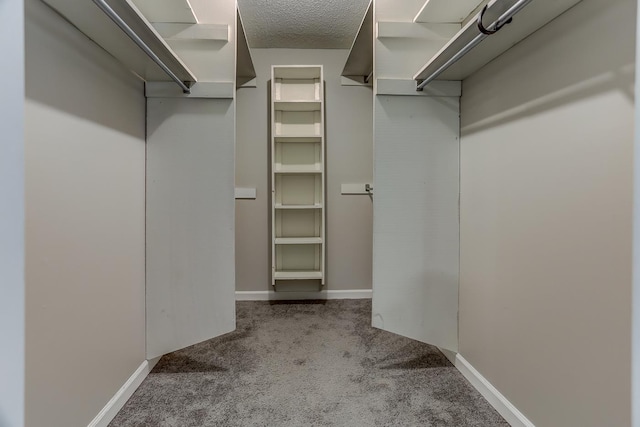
point(302, 24)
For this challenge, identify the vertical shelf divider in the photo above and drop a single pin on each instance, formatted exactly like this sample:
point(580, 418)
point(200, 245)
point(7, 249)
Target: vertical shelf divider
point(297, 173)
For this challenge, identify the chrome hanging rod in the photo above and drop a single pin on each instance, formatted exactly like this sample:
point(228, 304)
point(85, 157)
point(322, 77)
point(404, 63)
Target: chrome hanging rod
point(485, 32)
point(102, 4)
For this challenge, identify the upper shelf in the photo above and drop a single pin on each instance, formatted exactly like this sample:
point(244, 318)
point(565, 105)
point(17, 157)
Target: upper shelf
point(89, 19)
point(360, 60)
point(435, 11)
point(245, 70)
point(534, 16)
point(167, 11)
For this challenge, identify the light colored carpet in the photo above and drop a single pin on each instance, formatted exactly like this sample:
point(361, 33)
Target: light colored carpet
point(307, 364)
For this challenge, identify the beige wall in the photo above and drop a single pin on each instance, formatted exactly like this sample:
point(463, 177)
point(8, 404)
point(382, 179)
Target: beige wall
point(85, 162)
point(349, 159)
point(546, 198)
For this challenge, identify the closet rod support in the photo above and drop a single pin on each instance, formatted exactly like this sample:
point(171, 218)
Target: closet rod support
point(368, 78)
point(102, 4)
point(494, 27)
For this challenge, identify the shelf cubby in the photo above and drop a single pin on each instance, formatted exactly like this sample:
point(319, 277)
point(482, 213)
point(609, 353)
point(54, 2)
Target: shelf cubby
point(297, 123)
point(302, 223)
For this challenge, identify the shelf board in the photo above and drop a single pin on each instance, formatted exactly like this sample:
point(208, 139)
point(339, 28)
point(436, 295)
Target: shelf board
point(297, 136)
point(91, 21)
point(446, 10)
point(298, 240)
point(280, 138)
point(297, 105)
point(535, 15)
point(281, 206)
point(297, 275)
point(360, 60)
point(167, 11)
point(245, 71)
point(298, 169)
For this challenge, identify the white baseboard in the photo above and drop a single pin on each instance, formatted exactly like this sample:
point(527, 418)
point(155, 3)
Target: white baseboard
point(288, 296)
point(505, 408)
point(110, 410)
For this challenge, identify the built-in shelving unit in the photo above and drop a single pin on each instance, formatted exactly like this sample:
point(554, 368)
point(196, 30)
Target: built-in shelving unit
point(297, 173)
point(533, 16)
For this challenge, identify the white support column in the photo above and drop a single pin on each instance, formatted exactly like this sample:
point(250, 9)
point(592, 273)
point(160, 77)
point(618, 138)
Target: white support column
point(12, 281)
point(635, 307)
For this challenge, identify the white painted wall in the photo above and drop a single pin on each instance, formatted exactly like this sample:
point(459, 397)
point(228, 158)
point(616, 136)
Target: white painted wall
point(415, 222)
point(546, 214)
point(349, 159)
point(85, 162)
point(12, 215)
point(416, 144)
point(635, 304)
point(190, 222)
point(190, 200)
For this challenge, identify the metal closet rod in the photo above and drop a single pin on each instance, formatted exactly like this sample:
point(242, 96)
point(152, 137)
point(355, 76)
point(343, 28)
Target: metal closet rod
point(502, 20)
point(102, 4)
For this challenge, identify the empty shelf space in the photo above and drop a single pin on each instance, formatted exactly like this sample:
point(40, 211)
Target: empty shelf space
point(298, 157)
point(297, 105)
point(297, 72)
point(298, 240)
point(298, 275)
point(297, 123)
point(297, 90)
point(302, 224)
point(298, 189)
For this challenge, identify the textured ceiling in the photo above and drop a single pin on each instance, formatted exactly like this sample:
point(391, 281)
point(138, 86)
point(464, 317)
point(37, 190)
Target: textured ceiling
point(302, 24)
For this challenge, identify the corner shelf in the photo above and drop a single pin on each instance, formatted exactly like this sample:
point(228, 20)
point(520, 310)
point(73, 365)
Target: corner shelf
point(297, 173)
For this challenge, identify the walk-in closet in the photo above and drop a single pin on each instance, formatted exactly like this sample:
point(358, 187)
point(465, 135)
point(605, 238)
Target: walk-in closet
point(287, 213)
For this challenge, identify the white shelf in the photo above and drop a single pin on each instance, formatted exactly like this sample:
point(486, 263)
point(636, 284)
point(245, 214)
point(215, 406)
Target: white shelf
point(292, 207)
point(297, 169)
point(535, 15)
point(97, 26)
point(167, 11)
point(297, 173)
point(360, 60)
point(245, 71)
point(297, 135)
point(298, 275)
point(446, 10)
point(297, 105)
point(298, 240)
point(297, 138)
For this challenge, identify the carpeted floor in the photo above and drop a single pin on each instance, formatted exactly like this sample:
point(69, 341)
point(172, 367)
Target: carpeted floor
point(306, 364)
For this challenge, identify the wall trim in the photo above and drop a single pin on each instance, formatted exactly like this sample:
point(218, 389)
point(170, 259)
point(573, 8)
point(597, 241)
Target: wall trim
point(501, 404)
point(288, 296)
point(110, 410)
